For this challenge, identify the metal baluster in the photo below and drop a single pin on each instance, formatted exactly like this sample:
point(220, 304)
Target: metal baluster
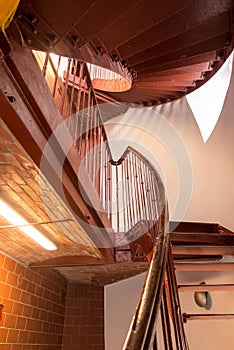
point(98, 163)
point(110, 188)
point(105, 178)
point(101, 164)
point(94, 136)
point(82, 135)
point(155, 198)
point(86, 162)
point(176, 314)
point(56, 77)
point(117, 197)
point(72, 97)
point(148, 197)
point(137, 194)
point(149, 192)
point(142, 180)
point(78, 129)
point(129, 191)
point(90, 136)
point(134, 178)
point(127, 196)
point(65, 87)
point(44, 69)
point(123, 196)
point(165, 311)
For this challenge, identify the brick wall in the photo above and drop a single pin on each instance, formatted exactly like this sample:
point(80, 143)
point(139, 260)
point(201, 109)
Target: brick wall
point(84, 320)
point(34, 307)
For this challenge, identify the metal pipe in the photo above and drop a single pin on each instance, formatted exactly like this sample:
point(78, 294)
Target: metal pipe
point(207, 317)
point(205, 287)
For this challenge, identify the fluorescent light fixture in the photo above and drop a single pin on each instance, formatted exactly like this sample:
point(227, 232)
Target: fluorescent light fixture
point(15, 219)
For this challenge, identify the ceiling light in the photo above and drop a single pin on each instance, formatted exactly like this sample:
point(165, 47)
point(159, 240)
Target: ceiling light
point(15, 219)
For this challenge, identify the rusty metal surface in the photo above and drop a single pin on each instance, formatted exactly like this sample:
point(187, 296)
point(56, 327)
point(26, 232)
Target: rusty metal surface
point(203, 250)
point(141, 332)
point(36, 119)
point(202, 239)
point(204, 266)
point(207, 317)
point(205, 287)
point(149, 38)
point(104, 274)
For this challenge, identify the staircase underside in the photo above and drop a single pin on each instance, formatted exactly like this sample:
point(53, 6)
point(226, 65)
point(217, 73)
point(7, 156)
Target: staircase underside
point(169, 47)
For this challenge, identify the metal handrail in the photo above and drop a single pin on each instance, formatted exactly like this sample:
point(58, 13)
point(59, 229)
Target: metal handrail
point(141, 332)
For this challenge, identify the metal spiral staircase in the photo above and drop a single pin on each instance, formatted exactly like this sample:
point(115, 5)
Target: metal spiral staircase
point(125, 197)
point(133, 199)
point(120, 204)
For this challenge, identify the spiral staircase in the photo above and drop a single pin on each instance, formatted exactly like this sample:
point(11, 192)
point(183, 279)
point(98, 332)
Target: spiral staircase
point(163, 50)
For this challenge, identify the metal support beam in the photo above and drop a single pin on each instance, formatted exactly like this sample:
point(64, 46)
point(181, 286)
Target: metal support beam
point(196, 227)
point(205, 287)
point(207, 317)
point(32, 117)
point(203, 250)
point(212, 239)
point(204, 266)
point(68, 261)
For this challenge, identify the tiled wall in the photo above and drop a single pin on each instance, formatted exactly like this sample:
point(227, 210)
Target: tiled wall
point(84, 321)
point(34, 307)
point(35, 302)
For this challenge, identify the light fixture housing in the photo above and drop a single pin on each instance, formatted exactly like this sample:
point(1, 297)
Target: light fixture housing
point(203, 299)
point(17, 220)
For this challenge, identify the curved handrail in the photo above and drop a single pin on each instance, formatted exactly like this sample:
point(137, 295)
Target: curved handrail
point(143, 322)
point(146, 196)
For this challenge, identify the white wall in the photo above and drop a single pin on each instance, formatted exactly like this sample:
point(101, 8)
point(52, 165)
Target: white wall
point(121, 300)
point(199, 181)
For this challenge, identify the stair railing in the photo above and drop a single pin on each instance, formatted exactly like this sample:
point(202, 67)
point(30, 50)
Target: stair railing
point(133, 197)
